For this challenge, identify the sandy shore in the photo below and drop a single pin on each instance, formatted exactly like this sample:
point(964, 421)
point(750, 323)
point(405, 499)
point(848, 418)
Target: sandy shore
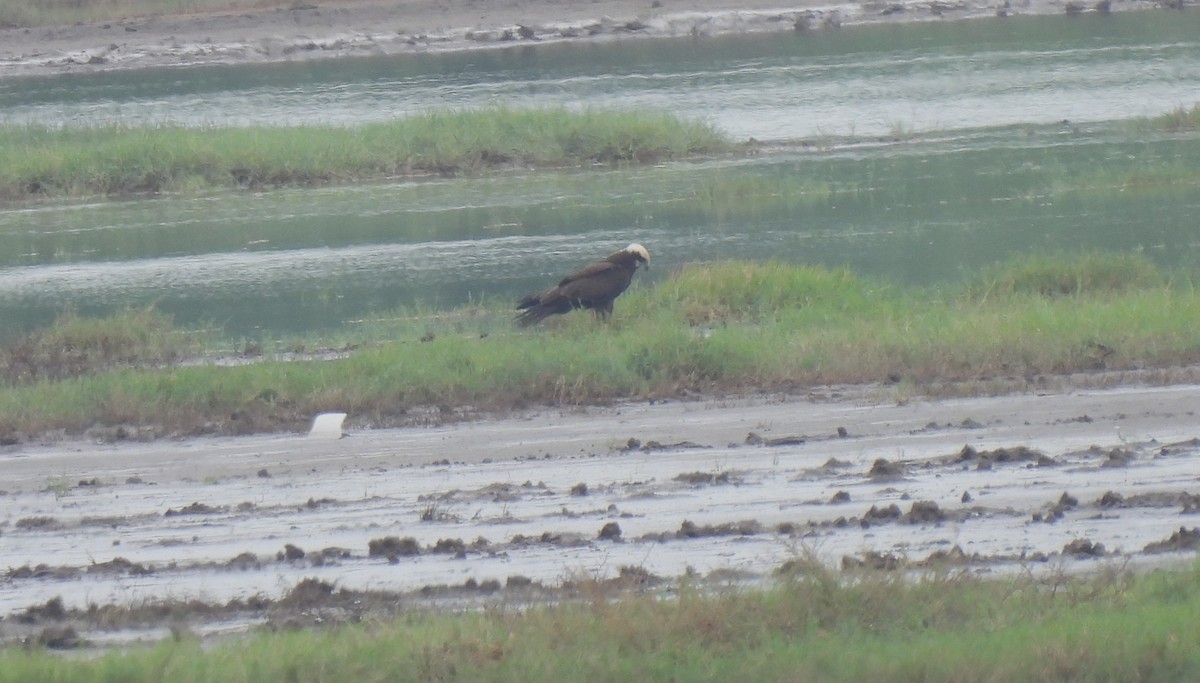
point(373, 27)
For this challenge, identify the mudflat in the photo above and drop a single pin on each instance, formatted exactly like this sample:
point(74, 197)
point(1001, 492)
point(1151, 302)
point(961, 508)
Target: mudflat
point(323, 30)
point(296, 529)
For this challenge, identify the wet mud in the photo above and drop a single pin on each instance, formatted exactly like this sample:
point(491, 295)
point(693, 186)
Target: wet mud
point(103, 544)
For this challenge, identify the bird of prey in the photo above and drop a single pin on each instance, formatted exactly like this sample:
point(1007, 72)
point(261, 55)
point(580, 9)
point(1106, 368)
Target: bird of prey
point(593, 287)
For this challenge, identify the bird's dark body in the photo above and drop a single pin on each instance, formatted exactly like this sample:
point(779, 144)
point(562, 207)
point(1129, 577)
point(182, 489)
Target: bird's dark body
point(593, 287)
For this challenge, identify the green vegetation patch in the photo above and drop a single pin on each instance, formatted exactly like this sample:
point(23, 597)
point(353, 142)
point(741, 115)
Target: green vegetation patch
point(717, 328)
point(813, 625)
point(118, 159)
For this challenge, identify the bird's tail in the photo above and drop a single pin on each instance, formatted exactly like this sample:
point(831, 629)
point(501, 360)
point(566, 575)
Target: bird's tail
point(533, 315)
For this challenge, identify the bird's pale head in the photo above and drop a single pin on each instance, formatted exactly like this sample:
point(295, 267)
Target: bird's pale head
point(639, 252)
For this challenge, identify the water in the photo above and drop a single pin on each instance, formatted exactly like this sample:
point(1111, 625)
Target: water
point(1022, 149)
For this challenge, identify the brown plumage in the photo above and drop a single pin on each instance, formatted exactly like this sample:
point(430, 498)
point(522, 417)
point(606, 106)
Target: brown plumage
point(594, 287)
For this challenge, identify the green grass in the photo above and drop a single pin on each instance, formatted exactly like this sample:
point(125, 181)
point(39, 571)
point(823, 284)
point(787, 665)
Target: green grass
point(115, 159)
point(814, 625)
point(719, 328)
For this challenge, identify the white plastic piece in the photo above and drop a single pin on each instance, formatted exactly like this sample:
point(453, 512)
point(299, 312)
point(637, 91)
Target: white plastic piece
point(327, 426)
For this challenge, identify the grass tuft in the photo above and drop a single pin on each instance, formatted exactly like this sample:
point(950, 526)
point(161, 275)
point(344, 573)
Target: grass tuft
point(1061, 275)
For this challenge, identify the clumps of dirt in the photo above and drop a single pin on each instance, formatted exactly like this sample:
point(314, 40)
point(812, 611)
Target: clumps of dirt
point(877, 515)
point(40, 523)
point(698, 479)
point(873, 560)
point(1118, 457)
point(924, 512)
point(840, 497)
point(754, 439)
point(290, 553)
point(985, 460)
point(244, 562)
point(450, 546)
point(393, 547)
point(119, 565)
point(42, 571)
point(1188, 502)
point(1056, 511)
point(561, 540)
point(611, 531)
point(689, 529)
point(499, 492)
point(59, 638)
point(884, 470)
point(658, 446)
point(1182, 540)
point(579, 490)
point(196, 508)
point(628, 578)
point(921, 512)
point(52, 610)
point(1082, 547)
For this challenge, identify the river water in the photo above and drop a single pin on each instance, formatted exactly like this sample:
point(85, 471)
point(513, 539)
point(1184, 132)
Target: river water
point(911, 153)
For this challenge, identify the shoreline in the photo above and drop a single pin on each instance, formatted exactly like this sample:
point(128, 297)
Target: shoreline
point(363, 28)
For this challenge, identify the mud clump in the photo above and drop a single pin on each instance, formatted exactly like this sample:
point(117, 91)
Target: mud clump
point(678, 445)
point(195, 509)
point(1118, 457)
point(579, 490)
point(874, 561)
point(450, 546)
point(690, 529)
point(1082, 547)
point(610, 532)
point(924, 512)
point(1065, 502)
point(307, 593)
point(51, 610)
point(60, 638)
point(840, 497)
point(290, 553)
point(1181, 540)
point(393, 547)
point(244, 562)
point(119, 565)
point(985, 460)
point(703, 478)
point(878, 515)
point(883, 469)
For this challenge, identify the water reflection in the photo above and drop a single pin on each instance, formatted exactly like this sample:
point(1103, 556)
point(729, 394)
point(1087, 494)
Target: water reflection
point(993, 175)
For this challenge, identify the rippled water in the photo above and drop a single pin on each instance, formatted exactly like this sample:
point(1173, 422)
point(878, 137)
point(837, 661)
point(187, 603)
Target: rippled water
point(1021, 149)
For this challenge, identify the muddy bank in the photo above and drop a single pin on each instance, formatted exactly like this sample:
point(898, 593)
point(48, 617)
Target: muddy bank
point(307, 31)
point(134, 540)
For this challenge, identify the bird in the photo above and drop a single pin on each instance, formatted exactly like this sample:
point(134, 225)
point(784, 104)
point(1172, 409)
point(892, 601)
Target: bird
point(593, 287)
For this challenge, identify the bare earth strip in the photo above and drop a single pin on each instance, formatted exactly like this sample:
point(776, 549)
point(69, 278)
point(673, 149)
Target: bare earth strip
point(371, 27)
point(1069, 481)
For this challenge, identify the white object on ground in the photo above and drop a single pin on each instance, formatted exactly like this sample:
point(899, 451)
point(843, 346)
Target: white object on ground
point(327, 426)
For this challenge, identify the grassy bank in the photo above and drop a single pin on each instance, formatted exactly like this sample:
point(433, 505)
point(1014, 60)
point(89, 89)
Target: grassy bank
point(116, 159)
point(814, 626)
point(716, 328)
